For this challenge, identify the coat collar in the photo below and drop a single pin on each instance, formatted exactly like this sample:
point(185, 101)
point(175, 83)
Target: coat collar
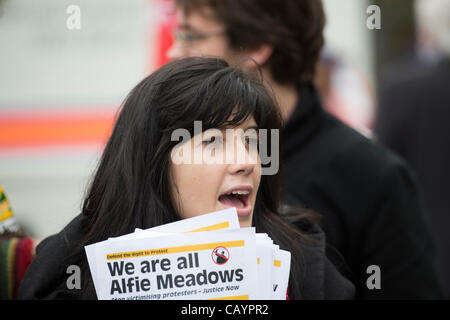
point(308, 102)
point(303, 122)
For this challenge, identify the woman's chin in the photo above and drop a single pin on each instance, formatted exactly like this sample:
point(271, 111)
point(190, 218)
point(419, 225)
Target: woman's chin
point(242, 212)
point(245, 214)
point(245, 222)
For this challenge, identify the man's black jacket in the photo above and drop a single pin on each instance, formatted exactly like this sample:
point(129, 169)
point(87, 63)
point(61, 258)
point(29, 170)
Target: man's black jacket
point(369, 202)
point(413, 121)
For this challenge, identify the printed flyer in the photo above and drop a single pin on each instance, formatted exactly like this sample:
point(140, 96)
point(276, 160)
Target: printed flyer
point(205, 257)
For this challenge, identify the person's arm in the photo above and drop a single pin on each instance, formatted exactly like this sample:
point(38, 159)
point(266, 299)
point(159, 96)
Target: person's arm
point(17, 250)
point(16, 254)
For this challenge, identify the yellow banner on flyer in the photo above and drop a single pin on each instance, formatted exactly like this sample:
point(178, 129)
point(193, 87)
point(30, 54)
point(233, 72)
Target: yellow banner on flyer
point(196, 247)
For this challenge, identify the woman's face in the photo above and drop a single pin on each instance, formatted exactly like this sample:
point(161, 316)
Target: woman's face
point(225, 172)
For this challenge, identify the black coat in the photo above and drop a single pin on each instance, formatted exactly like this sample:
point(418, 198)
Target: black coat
point(414, 121)
point(47, 275)
point(369, 201)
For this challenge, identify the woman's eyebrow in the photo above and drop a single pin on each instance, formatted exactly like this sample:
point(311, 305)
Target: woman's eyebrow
point(187, 27)
point(183, 26)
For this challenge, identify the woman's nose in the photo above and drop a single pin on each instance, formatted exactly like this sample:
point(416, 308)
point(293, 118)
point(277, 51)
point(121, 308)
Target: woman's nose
point(241, 160)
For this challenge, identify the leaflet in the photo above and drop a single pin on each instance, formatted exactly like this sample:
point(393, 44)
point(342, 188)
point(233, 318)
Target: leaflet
point(281, 269)
point(205, 257)
point(183, 266)
point(218, 220)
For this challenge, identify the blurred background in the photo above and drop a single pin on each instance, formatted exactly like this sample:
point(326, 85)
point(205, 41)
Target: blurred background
point(61, 87)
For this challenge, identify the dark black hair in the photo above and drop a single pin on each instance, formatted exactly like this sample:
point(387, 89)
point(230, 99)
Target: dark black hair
point(293, 27)
point(131, 188)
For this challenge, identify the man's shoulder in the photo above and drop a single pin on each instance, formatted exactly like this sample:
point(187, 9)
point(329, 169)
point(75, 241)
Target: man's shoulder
point(342, 170)
point(363, 152)
point(336, 146)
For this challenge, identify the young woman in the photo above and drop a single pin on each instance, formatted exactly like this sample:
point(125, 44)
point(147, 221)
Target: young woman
point(139, 183)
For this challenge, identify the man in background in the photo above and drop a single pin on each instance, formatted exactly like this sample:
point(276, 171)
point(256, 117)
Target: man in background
point(413, 120)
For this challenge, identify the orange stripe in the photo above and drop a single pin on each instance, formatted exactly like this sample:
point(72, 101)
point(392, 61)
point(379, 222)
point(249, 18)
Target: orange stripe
point(45, 129)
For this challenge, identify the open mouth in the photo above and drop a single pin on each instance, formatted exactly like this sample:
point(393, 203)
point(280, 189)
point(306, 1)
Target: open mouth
point(238, 198)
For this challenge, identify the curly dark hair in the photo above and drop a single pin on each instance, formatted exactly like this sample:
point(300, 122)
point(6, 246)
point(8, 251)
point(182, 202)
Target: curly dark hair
point(293, 27)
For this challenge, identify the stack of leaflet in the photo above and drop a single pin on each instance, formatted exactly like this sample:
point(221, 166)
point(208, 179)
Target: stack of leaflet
point(205, 257)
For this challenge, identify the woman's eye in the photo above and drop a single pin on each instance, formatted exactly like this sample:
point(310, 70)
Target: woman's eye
point(188, 38)
point(251, 141)
point(211, 140)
